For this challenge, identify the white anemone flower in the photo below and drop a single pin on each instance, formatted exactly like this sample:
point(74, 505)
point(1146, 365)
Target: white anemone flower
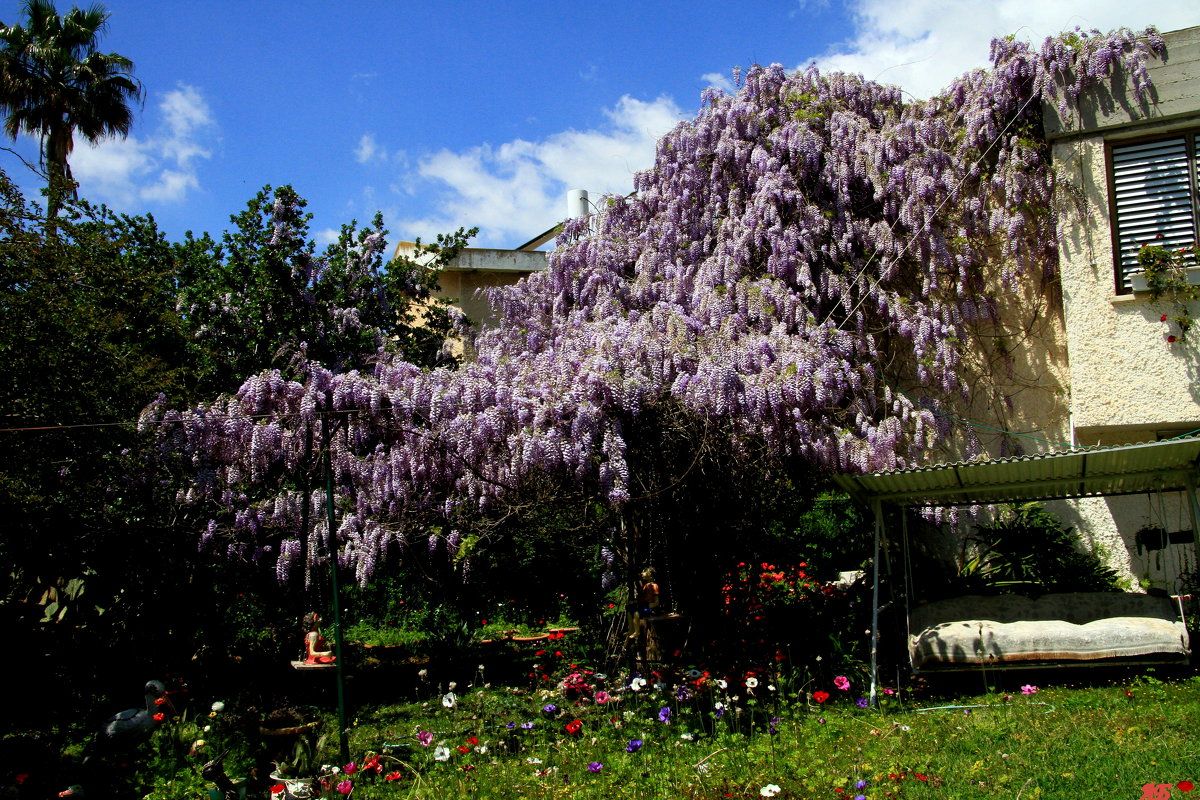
point(449, 700)
point(770, 790)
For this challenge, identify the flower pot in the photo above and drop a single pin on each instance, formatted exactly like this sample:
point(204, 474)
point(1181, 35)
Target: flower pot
point(1137, 280)
point(293, 788)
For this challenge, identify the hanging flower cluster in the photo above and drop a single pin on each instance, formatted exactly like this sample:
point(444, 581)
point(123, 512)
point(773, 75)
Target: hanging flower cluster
point(804, 257)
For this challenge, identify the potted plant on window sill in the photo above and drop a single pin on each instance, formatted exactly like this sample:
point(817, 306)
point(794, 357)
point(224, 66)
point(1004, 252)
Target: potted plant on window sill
point(1171, 276)
point(1141, 283)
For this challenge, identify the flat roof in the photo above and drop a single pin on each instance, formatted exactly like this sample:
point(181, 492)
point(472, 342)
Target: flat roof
point(1170, 465)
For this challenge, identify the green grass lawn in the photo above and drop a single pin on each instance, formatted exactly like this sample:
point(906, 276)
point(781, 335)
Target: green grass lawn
point(1105, 740)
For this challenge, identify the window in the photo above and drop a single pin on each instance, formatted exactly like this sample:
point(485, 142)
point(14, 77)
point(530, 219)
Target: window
point(1154, 195)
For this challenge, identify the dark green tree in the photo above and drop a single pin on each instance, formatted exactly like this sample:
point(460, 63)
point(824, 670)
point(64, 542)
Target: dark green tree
point(88, 336)
point(55, 82)
point(262, 296)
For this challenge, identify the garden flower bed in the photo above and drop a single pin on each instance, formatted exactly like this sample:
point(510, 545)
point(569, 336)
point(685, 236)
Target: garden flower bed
point(695, 734)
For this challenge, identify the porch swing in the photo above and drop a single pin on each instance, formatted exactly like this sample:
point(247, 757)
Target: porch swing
point(1016, 631)
point(1012, 632)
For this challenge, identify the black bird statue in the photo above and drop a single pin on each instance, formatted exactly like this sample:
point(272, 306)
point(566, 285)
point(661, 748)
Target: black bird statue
point(214, 772)
point(134, 725)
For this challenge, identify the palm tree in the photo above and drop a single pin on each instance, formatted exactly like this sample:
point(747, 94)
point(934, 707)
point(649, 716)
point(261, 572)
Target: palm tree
point(53, 82)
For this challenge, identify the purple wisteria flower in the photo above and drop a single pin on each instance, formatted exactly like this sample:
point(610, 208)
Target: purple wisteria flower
point(769, 265)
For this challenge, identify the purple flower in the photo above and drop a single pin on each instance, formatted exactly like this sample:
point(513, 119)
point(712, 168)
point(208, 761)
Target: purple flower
point(511, 725)
point(595, 766)
point(549, 708)
point(861, 702)
point(664, 714)
point(633, 746)
point(861, 785)
point(526, 726)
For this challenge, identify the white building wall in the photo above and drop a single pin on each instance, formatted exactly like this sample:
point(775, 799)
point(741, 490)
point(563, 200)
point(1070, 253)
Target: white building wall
point(1127, 382)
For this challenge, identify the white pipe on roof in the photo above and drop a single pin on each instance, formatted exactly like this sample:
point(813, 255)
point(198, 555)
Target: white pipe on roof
point(577, 203)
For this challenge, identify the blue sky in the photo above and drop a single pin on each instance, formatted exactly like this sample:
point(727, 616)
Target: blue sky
point(480, 113)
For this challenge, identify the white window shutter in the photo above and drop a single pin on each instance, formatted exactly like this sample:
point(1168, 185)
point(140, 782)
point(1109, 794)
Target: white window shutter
point(1152, 190)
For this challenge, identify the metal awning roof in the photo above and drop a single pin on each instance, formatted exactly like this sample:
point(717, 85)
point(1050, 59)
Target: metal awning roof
point(1172, 465)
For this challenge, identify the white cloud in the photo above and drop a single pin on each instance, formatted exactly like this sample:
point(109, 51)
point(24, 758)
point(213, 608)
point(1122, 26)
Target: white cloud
point(922, 45)
point(368, 150)
point(160, 168)
point(326, 237)
point(719, 80)
point(516, 190)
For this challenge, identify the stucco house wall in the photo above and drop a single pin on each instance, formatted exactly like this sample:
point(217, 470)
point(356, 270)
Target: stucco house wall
point(1128, 383)
point(466, 278)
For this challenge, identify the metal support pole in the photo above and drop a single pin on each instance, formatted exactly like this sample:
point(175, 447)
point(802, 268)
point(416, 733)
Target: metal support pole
point(1193, 503)
point(877, 510)
point(338, 661)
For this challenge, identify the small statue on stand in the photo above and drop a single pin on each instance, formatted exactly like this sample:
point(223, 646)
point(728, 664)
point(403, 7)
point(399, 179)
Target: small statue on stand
point(643, 609)
point(316, 649)
point(648, 598)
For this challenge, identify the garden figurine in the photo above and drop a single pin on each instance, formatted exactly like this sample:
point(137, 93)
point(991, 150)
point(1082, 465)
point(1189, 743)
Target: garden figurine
point(648, 598)
point(316, 649)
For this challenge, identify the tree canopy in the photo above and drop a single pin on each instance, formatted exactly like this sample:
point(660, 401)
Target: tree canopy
point(794, 285)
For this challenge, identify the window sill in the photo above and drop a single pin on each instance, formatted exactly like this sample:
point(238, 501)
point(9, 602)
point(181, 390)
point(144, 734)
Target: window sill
point(1123, 299)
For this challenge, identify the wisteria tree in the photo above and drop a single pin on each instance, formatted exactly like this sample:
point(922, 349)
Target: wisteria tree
point(797, 285)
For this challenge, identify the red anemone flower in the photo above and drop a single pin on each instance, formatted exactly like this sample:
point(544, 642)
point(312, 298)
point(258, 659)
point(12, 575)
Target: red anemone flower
point(392, 776)
point(574, 727)
point(820, 697)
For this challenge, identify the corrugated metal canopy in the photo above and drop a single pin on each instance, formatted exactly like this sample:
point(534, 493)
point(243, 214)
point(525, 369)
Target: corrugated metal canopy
point(1127, 469)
